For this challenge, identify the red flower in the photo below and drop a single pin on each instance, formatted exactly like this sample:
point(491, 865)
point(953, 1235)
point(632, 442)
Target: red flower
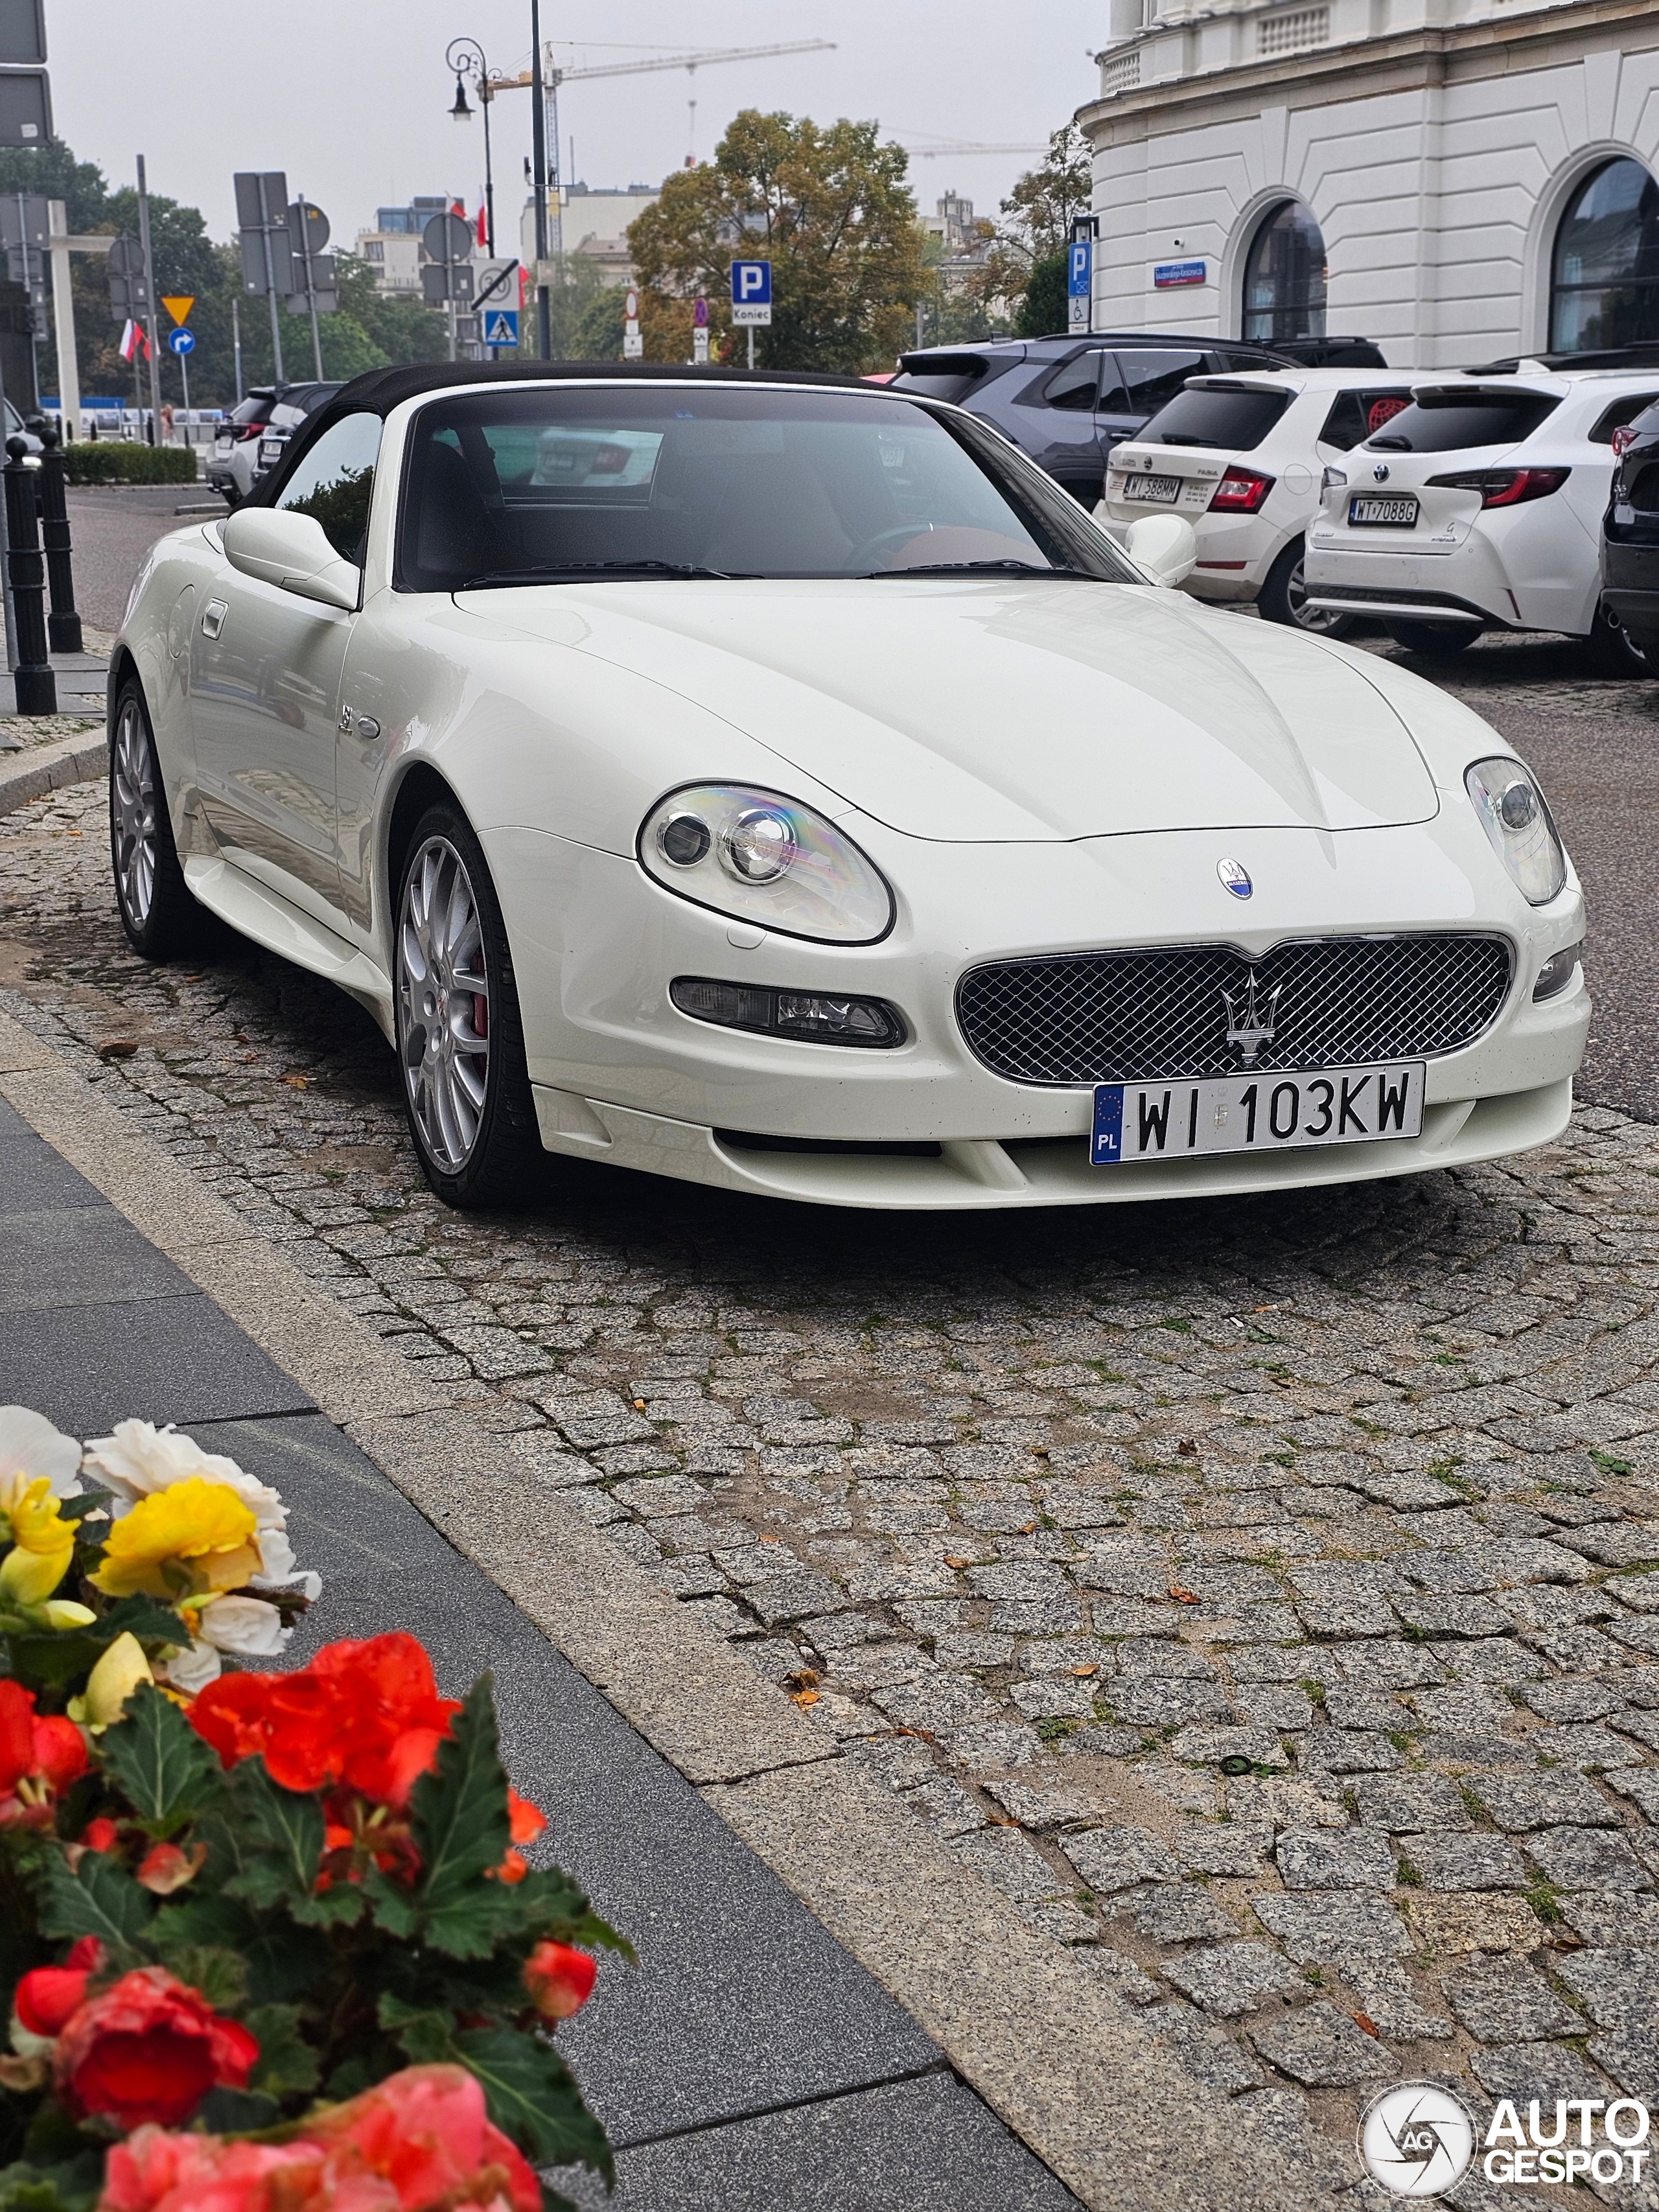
point(525, 1824)
point(148, 2048)
point(560, 1980)
point(41, 1754)
point(99, 1835)
point(46, 1998)
point(154, 2171)
point(366, 1714)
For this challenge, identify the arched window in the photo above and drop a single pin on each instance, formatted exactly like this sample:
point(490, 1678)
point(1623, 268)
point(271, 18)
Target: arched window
point(1285, 277)
point(1605, 281)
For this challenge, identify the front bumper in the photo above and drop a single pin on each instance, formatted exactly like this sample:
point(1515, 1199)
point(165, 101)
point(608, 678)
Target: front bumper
point(621, 1074)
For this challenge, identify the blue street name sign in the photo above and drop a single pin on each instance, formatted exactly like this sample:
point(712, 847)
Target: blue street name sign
point(182, 341)
point(500, 326)
point(1079, 282)
point(1172, 276)
point(752, 294)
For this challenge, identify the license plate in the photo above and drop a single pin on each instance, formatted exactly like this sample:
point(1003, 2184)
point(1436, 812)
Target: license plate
point(1166, 489)
point(271, 449)
point(1281, 1112)
point(1382, 513)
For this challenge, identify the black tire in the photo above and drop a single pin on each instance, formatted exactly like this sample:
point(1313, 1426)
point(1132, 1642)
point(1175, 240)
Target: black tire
point(163, 922)
point(1282, 597)
point(1434, 640)
point(1614, 652)
point(471, 1112)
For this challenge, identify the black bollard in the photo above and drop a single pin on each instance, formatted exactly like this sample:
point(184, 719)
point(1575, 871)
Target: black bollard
point(64, 622)
point(37, 684)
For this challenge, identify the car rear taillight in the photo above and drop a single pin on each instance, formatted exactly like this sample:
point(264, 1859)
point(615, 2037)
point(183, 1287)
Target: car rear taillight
point(242, 431)
point(1505, 487)
point(1623, 439)
point(1241, 491)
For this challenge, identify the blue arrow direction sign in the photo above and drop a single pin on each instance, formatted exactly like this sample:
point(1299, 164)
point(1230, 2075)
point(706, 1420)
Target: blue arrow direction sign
point(500, 326)
point(752, 294)
point(182, 341)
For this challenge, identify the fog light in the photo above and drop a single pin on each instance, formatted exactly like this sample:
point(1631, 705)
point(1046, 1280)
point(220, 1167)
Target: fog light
point(1557, 972)
point(820, 1016)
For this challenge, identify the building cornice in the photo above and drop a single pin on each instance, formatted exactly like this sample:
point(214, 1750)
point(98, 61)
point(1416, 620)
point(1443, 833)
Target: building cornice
point(1367, 68)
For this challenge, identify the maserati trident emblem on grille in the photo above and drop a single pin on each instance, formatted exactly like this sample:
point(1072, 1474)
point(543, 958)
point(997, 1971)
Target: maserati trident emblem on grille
point(1250, 1018)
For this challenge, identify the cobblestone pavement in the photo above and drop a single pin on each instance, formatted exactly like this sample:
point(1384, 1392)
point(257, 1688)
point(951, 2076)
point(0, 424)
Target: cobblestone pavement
point(1264, 1594)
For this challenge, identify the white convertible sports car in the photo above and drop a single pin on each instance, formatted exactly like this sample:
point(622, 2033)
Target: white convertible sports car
point(778, 782)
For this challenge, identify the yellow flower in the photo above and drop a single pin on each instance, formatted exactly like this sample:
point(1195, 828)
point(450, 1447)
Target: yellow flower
point(64, 1612)
point(111, 1683)
point(193, 1537)
point(42, 1543)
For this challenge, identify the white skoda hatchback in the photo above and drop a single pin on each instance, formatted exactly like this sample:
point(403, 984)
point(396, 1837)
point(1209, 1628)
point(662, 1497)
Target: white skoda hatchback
point(1480, 507)
point(1242, 457)
point(782, 784)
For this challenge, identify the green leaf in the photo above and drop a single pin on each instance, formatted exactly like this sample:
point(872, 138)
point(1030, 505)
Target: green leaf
point(219, 1974)
point(287, 2065)
point(99, 1898)
point(283, 1845)
point(237, 2112)
point(51, 1658)
point(461, 1830)
point(423, 2037)
point(394, 1908)
point(157, 1759)
point(74, 2187)
point(339, 1907)
point(533, 2098)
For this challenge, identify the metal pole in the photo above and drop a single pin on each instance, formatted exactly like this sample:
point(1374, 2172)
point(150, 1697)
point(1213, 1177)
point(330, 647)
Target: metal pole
point(484, 96)
point(36, 682)
point(752, 346)
point(311, 288)
point(150, 306)
point(5, 549)
point(271, 279)
point(183, 372)
point(64, 621)
point(63, 316)
point(538, 165)
point(236, 342)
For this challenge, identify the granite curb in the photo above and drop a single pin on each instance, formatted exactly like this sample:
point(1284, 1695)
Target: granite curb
point(1060, 2057)
point(45, 768)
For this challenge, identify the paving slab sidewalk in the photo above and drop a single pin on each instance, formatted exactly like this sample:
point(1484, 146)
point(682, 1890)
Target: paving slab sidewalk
point(749, 2059)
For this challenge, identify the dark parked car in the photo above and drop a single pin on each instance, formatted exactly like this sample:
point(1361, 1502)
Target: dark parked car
point(1068, 400)
point(254, 435)
point(1630, 534)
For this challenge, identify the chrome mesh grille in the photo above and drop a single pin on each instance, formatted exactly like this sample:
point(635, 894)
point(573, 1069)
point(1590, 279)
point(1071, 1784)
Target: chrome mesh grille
point(1131, 1015)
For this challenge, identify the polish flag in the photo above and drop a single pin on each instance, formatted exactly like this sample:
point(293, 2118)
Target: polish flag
point(133, 343)
point(484, 227)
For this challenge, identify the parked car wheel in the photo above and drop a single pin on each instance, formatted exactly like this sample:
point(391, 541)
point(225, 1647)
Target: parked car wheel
point(1434, 641)
point(1614, 652)
point(163, 922)
point(460, 1041)
point(1284, 598)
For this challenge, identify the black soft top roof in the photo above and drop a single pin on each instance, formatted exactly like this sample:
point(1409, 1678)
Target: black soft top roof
point(380, 389)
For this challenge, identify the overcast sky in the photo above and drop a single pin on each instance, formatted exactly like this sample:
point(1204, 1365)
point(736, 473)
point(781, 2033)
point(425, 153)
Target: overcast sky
point(351, 97)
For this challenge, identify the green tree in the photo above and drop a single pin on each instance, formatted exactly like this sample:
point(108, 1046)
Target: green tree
point(828, 207)
point(1026, 265)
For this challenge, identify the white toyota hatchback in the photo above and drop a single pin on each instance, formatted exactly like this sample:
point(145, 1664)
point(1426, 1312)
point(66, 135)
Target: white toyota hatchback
point(1480, 506)
point(1242, 457)
point(783, 784)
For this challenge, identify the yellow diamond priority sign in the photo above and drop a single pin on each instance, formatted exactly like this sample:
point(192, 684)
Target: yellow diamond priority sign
point(178, 305)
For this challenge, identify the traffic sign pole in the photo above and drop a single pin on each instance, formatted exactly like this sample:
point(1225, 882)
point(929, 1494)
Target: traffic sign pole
point(311, 288)
point(751, 298)
point(150, 289)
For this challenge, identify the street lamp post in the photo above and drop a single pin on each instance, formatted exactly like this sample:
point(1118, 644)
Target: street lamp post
point(466, 57)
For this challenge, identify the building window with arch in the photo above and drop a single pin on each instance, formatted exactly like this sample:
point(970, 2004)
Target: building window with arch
point(1285, 277)
point(1604, 287)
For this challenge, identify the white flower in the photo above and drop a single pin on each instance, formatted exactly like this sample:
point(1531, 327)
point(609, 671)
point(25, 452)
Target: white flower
point(140, 1459)
point(247, 1625)
point(29, 1448)
point(193, 1669)
point(278, 1571)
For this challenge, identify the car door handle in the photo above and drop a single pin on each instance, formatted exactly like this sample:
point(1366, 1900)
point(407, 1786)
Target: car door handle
point(213, 618)
point(364, 727)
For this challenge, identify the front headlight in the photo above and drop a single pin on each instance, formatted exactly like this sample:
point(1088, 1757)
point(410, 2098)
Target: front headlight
point(762, 858)
point(1514, 817)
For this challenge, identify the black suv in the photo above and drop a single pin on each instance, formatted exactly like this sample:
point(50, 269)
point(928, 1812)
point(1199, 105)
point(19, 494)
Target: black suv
point(1068, 400)
point(1630, 535)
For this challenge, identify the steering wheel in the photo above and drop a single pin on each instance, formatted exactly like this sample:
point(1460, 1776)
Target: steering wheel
point(863, 557)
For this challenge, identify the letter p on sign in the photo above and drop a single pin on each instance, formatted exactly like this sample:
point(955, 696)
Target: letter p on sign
point(751, 293)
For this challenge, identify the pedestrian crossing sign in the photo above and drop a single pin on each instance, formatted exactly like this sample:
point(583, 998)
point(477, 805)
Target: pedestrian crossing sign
point(500, 326)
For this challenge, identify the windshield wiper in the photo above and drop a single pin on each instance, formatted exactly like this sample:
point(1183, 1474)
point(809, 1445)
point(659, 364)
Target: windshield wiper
point(554, 569)
point(975, 568)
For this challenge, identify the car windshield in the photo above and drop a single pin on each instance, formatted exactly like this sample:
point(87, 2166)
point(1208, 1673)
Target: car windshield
point(515, 486)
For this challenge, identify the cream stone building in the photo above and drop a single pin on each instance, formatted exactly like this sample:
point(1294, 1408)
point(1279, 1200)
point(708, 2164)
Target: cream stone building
point(1458, 180)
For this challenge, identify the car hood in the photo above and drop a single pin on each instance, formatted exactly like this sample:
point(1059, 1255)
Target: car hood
point(982, 710)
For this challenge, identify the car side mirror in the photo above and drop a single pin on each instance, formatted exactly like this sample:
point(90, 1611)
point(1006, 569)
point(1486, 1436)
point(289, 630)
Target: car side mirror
point(1164, 546)
point(292, 552)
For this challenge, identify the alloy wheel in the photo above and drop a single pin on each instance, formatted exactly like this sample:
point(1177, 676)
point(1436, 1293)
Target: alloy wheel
point(443, 1003)
point(1318, 619)
point(132, 813)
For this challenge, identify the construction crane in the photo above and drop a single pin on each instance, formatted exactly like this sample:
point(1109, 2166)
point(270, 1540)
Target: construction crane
point(700, 58)
point(965, 145)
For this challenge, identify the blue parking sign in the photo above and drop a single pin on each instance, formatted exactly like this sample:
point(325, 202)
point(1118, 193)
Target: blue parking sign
point(752, 294)
point(1079, 282)
point(500, 326)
